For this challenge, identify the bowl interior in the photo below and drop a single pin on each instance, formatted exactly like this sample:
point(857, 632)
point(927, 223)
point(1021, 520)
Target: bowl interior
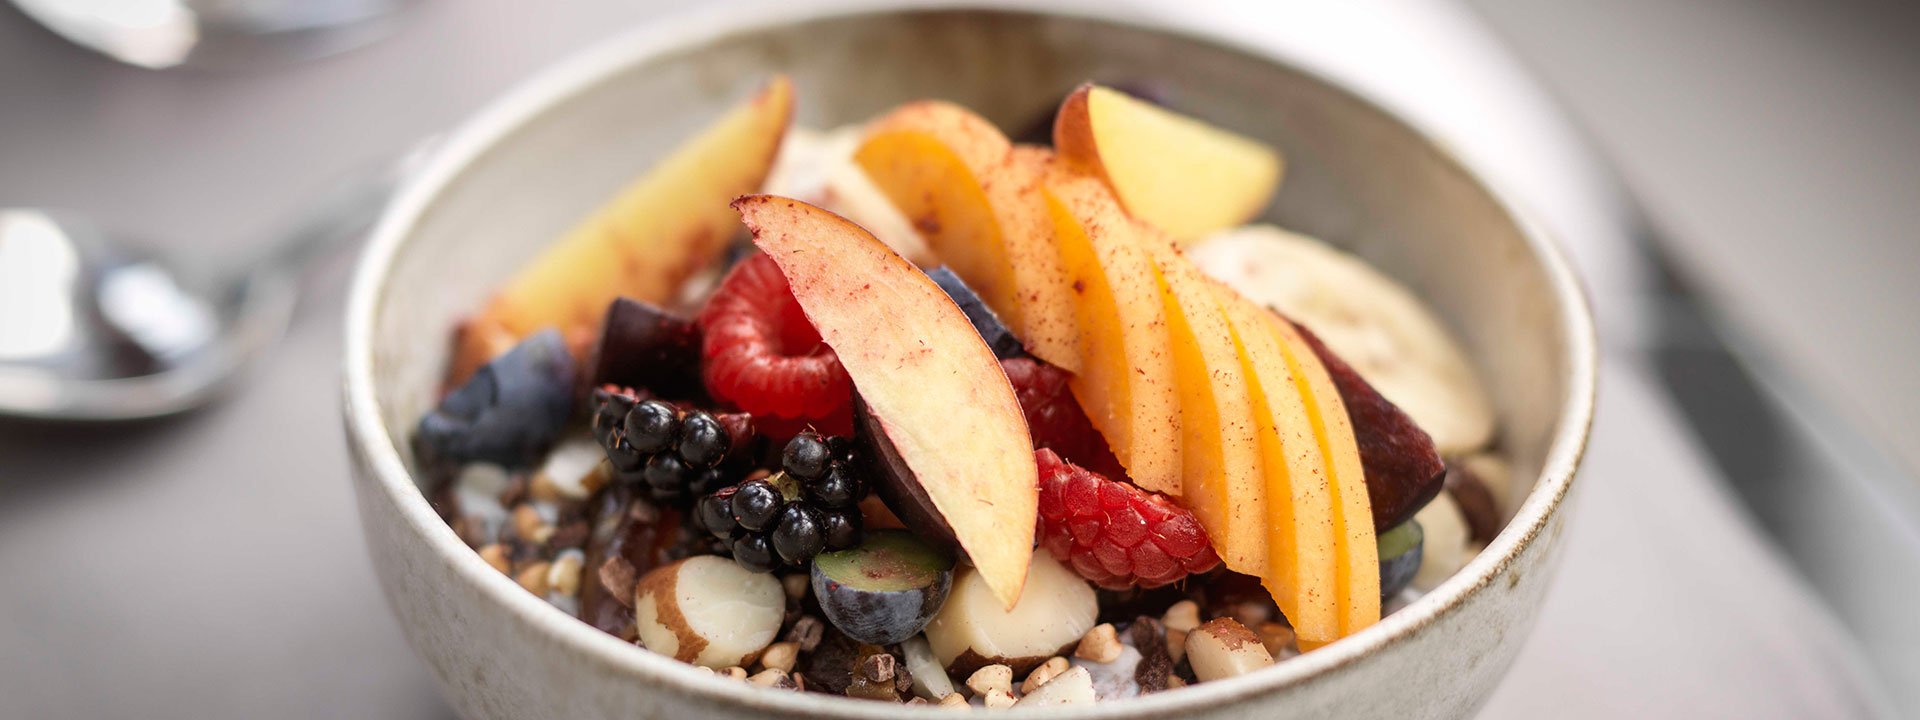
point(1354, 176)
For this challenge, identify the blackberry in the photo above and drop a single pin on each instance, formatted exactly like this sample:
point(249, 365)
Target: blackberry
point(809, 506)
point(675, 455)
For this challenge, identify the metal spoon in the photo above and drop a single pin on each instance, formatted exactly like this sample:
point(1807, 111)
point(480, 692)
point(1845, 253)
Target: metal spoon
point(91, 328)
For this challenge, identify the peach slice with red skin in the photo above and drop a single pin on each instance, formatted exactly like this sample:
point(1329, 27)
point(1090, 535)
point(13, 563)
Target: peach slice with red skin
point(1177, 173)
point(646, 241)
point(924, 376)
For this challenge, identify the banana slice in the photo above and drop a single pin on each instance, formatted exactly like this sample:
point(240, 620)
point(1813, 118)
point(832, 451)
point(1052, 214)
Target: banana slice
point(817, 166)
point(1373, 322)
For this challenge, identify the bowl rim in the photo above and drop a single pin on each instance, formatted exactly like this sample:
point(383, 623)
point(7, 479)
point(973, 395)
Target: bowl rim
point(380, 456)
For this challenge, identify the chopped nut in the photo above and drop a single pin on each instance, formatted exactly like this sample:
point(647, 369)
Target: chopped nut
point(930, 679)
point(1040, 675)
point(541, 488)
point(917, 701)
point(1073, 687)
point(796, 585)
point(618, 577)
point(799, 681)
point(954, 700)
point(990, 678)
point(736, 672)
point(704, 669)
point(1101, 644)
point(1278, 639)
point(1176, 645)
point(496, 555)
point(1223, 648)
point(564, 578)
point(529, 525)
point(1182, 616)
point(780, 656)
point(772, 677)
point(806, 632)
point(878, 667)
point(1251, 613)
point(997, 698)
point(534, 578)
point(1175, 681)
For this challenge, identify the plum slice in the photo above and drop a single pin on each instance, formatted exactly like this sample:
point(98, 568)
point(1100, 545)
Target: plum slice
point(642, 345)
point(885, 589)
point(996, 334)
point(508, 413)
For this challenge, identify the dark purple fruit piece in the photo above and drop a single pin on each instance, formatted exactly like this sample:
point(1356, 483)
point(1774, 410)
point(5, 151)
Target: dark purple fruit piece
point(840, 528)
point(1403, 469)
point(666, 475)
point(644, 346)
point(886, 589)
point(1400, 552)
point(999, 338)
point(797, 535)
point(1476, 503)
point(756, 504)
point(508, 413)
point(896, 483)
point(806, 456)
point(753, 552)
point(610, 412)
point(703, 440)
point(716, 513)
point(651, 426)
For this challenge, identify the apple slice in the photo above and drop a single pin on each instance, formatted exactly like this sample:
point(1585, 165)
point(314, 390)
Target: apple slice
point(658, 231)
point(1301, 546)
point(1126, 377)
point(1181, 175)
point(1221, 480)
point(976, 201)
point(923, 374)
point(1356, 551)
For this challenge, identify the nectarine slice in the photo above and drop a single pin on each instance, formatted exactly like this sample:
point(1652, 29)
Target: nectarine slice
point(1356, 552)
point(926, 377)
point(654, 234)
point(1126, 377)
point(1219, 445)
point(1181, 175)
point(976, 201)
point(1302, 561)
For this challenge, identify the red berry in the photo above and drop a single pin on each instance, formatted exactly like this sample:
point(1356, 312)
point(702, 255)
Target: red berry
point(1113, 533)
point(1055, 418)
point(761, 354)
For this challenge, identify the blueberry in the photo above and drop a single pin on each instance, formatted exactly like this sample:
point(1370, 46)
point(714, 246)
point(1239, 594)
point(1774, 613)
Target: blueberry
point(715, 515)
point(839, 488)
point(991, 329)
point(1400, 552)
point(753, 552)
point(666, 475)
point(508, 413)
point(806, 456)
point(703, 440)
point(755, 504)
point(841, 530)
point(651, 426)
point(884, 590)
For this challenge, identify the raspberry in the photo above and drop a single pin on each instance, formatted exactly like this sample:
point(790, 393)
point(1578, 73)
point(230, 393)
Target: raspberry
point(761, 354)
point(1055, 418)
point(1114, 534)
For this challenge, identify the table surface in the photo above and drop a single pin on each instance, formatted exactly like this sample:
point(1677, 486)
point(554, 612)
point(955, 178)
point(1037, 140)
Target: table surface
point(212, 565)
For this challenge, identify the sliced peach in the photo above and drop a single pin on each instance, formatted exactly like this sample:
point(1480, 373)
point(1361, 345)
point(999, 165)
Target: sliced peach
point(1126, 378)
point(977, 203)
point(924, 375)
point(1356, 552)
point(1177, 173)
point(654, 234)
point(1302, 561)
point(1219, 446)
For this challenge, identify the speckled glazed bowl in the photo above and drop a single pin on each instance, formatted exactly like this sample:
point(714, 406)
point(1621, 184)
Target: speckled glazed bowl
point(520, 173)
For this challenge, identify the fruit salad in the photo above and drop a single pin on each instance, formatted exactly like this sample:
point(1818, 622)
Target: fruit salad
point(912, 412)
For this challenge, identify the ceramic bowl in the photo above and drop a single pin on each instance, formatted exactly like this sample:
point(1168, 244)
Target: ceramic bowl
point(524, 170)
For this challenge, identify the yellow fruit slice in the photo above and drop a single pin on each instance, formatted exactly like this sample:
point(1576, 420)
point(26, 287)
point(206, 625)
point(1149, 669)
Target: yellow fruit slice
point(1181, 175)
point(1302, 562)
point(976, 201)
point(1126, 378)
point(1221, 474)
